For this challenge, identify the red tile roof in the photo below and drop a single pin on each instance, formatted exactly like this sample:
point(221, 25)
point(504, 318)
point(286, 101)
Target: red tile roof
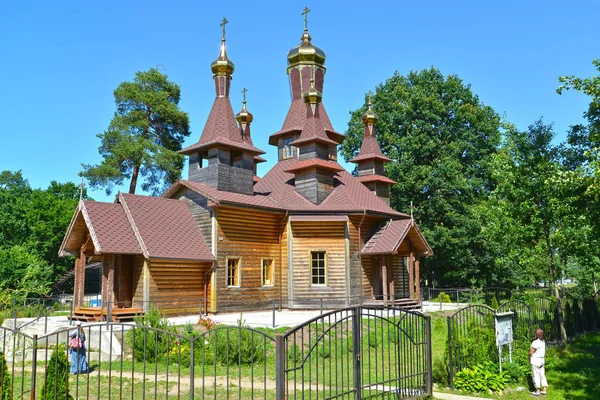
point(316, 162)
point(165, 228)
point(222, 128)
point(375, 178)
point(313, 131)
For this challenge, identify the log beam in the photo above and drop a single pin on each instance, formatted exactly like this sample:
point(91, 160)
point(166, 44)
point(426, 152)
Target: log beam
point(384, 279)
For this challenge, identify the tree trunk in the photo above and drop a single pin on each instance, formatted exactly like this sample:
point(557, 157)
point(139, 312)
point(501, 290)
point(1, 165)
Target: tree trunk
point(134, 178)
point(559, 311)
point(562, 274)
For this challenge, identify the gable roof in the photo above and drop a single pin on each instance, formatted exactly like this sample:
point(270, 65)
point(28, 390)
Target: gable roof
point(389, 237)
point(154, 227)
point(107, 226)
point(165, 228)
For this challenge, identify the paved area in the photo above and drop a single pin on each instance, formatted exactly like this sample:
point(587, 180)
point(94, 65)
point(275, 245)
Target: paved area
point(450, 396)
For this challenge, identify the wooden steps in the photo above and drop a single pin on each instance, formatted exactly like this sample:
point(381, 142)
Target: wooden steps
point(405, 304)
point(97, 314)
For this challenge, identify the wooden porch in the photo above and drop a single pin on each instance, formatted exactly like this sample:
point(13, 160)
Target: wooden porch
point(97, 314)
point(404, 304)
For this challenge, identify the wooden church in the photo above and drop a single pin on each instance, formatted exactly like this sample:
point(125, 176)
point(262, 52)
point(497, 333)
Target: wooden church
point(307, 230)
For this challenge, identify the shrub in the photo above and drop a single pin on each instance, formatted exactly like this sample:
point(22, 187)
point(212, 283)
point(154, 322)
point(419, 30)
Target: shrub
point(476, 344)
point(494, 302)
point(481, 378)
point(443, 297)
point(516, 373)
point(5, 384)
point(439, 372)
point(56, 382)
point(207, 323)
point(237, 345)
point(294, 354)
point(152, 338)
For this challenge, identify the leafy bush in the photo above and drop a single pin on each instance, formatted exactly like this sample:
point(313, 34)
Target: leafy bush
point(443, 297)
point(481, 378)
point(516, 373)
point(494, 302)
point(56, 382)
point(476, 344)
point(237, 345)
point(152, 338)
point(5, 384)
point(294, 354)
point(439, 372)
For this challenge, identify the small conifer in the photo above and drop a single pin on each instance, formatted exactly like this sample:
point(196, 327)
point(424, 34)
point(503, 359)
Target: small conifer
point(56, 383)
point(5, 384)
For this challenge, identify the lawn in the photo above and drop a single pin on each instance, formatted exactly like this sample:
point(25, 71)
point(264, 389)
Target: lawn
point(573, 371)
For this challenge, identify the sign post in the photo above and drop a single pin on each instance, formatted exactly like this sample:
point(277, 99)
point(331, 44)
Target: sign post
point(504, 333)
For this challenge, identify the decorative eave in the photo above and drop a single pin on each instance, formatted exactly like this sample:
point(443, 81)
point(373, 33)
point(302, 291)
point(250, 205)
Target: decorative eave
point(376, 178)
point(367, 157)
point(316, 163)
point(220, 142)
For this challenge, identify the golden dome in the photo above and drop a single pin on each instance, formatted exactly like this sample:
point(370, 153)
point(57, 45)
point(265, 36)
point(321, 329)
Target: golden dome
point(222, 65)
point(369, 117)
point(244, 117)
point(312, 96)
point(306, 52)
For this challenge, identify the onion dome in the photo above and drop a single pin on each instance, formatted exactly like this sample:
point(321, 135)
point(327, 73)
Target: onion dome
point(244, 118)
point(222, 65)
point(306, 52)
point(369, 117)
point(312, 96)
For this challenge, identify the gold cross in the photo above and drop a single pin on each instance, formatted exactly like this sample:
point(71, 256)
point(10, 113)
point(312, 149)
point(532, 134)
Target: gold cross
point(244, 90)
point(223, 23)
point(305, 13)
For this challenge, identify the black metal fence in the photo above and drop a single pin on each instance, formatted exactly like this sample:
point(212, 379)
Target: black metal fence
point(351, 353)
point(471, 331)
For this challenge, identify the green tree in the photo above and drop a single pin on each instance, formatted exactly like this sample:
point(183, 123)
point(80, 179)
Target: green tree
point(56, 382)
point(143, 137)
point(440, 137)
point(537, 192)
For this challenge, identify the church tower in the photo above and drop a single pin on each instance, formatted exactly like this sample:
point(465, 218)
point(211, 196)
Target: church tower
point(370, 160)
point(224, 157)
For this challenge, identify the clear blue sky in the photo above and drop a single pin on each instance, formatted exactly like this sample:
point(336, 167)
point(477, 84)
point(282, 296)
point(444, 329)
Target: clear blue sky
point(61, 60)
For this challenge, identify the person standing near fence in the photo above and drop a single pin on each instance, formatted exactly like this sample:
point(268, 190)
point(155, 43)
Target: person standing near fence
point(77, 345)
point(537, 353)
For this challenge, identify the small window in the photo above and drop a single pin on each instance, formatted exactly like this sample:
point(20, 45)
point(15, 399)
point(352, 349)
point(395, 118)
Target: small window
point(333, 153)
point(317, 260)
point(288, 150)
point(233, 272)
point(267, 273)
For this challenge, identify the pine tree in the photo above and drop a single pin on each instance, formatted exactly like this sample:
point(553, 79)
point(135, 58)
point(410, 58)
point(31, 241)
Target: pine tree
point(56, 383)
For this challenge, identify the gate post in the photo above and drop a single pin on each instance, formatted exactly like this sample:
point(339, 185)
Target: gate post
point(356, 333)
point(192, 364)
point(450, 367)
point(33, 365)
point(428, 363)
point(279, 367)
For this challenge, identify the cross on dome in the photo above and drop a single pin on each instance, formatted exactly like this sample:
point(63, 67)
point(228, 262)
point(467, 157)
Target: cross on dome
point(223, 23)
point(305, 14)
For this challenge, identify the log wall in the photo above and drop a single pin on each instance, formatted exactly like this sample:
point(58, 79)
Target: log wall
point(319, 236)
point(250, 236)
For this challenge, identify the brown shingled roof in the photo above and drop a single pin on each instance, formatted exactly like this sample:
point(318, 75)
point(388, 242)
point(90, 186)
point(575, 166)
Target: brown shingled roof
point(390, 236)
point(294, 122)
point(222, 128)
point(166, 228)
point(369, 150)
point(375, 178)
point(315, 162)
point(107, 226)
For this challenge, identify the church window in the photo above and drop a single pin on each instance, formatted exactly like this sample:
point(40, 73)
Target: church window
point(318, 267)
point(267, 272)
point(288, 150)
point(333, 153)
point(233, 272)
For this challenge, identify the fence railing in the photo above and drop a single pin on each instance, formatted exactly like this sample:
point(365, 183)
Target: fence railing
point(471, 331)
point(384, 351)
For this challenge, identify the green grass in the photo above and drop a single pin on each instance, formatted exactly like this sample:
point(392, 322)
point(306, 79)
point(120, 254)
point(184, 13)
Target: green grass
point(572, 372)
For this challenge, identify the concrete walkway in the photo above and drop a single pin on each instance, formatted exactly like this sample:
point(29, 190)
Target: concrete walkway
point(450, 396)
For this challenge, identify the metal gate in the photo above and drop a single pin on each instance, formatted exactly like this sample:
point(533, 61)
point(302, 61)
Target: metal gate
point(357, 353)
